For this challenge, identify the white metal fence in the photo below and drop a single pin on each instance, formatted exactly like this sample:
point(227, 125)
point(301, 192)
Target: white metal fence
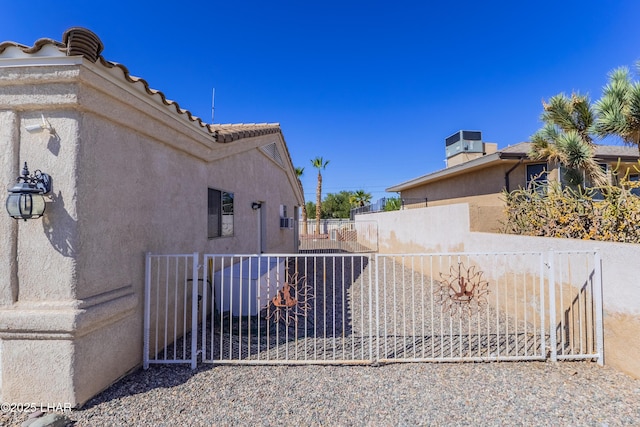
point(170, 309)
point(365, 308)
point(469, 307)
point(288, 309)
point(575, 289)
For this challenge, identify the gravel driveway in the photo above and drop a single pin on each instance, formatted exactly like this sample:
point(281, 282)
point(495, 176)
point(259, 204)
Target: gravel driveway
point(478, 394)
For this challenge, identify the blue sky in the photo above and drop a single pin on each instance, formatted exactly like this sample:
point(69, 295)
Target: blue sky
point(374, 87)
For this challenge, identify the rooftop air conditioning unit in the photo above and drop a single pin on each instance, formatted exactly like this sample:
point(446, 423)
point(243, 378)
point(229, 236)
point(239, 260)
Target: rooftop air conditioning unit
point(464, 141)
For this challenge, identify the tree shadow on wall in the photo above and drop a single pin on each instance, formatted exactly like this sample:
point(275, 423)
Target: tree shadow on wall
point(58, 226)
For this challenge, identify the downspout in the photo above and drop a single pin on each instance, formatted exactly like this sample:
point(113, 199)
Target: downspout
point(506, 175)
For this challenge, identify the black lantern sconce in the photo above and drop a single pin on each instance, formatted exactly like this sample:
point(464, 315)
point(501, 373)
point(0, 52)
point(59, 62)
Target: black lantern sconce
point(26, 198)
point(256, 205)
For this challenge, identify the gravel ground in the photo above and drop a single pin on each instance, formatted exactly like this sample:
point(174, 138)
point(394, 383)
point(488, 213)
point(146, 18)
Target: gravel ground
point(478, 394)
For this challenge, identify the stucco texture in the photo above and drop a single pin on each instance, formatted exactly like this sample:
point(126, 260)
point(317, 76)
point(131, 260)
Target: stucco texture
point(130, 176)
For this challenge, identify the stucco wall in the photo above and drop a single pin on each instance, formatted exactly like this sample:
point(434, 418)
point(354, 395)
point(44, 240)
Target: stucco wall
point(486, 212)
point(484, 181)
point(446, 229)
point(8, 228)
point(482, 190)
point(129, 176)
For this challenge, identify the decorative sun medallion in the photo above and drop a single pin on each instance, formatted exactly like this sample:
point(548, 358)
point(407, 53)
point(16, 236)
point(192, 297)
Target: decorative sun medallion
point(462, 290)
point(292, 302)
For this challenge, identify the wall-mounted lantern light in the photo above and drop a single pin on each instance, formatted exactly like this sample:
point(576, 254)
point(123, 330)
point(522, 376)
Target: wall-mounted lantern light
point(256, 205)
point(26, 198)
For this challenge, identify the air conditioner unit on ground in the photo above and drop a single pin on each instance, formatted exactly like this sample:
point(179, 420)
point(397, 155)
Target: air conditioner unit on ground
point(247, 287)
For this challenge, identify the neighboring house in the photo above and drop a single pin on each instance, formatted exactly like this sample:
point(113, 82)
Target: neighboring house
point(132, 173)
point(477, 173)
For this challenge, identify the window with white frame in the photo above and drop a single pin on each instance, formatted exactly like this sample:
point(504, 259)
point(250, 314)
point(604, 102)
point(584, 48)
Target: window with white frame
point(220, 213)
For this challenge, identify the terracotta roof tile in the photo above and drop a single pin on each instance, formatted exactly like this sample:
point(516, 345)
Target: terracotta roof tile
point(232, 132)
point(37, 46)
point(83, 42)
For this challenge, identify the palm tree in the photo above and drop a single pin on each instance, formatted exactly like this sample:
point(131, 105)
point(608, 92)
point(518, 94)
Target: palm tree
point(360, 198)
point(305, 227)
point(319, 163)
point(565, 138)
point(619, 108)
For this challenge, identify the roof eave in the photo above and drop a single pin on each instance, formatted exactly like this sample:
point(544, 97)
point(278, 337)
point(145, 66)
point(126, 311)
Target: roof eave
point(613, 157)
point(461, 168)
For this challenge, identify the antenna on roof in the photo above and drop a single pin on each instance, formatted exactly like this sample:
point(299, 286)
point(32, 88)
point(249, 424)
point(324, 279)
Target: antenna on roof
point(213, 99)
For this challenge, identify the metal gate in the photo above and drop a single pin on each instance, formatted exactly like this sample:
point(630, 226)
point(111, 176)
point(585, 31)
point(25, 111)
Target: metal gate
point(338, 236)
point(366, 309)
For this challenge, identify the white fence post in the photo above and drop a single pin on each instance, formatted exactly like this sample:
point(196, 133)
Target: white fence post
point(597, 295)
point(543, 341)
point(147, 309)
point(374, 357)
point(552, 308)
point(205, 301)
point(194, 310)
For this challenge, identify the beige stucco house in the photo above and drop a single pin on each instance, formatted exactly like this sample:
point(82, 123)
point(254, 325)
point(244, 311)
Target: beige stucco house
point(477, 173)
point(132, 172)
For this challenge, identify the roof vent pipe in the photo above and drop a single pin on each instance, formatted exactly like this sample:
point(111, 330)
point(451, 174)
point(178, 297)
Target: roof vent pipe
point(83, 42)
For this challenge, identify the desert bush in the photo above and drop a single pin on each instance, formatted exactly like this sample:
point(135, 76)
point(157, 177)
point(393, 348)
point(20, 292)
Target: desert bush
point(605, 213)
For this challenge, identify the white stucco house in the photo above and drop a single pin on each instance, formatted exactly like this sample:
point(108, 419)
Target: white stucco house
point(132, 172)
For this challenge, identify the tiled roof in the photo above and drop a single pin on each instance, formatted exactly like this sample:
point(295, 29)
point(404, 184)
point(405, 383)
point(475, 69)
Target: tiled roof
point(83, 42)
point(37, 46)
point(625, 152)
point(519, 148)
point(232, 132)
point(617, 151)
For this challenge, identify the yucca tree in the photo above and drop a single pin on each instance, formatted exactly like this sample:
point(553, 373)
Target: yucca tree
point(566, 138)
point(305, 228)
point(619, 107)
point(320, 164)
point(392, 204)
point(360, 198)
